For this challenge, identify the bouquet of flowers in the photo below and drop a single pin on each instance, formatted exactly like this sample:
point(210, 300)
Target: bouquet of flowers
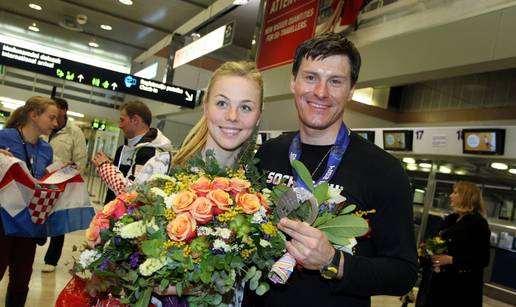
point(322, 207)
point(201, 228)
point(432, 246)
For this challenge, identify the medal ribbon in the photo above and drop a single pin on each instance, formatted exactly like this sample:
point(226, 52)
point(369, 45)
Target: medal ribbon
point(336, 153)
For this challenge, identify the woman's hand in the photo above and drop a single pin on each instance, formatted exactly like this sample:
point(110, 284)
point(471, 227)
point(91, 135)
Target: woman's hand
point(6, 152)
point(440, 260)
point(172, 290)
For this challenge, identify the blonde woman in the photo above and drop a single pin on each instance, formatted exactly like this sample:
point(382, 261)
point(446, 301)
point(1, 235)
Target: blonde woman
point(466, 232)
point(21, 139)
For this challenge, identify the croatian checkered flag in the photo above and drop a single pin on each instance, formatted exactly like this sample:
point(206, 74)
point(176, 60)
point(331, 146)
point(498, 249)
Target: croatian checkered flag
point(54, 205)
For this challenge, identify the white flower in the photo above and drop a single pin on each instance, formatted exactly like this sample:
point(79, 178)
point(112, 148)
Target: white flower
point(224, 233)
point(87, 257)
point(158, 192)
point(259, 216)
point(221, 245)
point(133, 230)
point(266, 193)
point(264, 243)
point(204, 231)
point(334, 195)
point(169, 199)
point(151, 265)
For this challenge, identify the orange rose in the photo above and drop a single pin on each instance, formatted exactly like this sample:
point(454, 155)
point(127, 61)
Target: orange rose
point(221, 200)
point(239, 185)
point(182, 228)
point(201, 186)
point(263, 201)
point(183, 201)
point(220, 183)
point(202, 210)
point(115, 208)
point(99, 222)
point(250, 203)
point(128, 197)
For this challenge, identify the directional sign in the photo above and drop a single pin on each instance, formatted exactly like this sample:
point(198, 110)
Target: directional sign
point(98, 77)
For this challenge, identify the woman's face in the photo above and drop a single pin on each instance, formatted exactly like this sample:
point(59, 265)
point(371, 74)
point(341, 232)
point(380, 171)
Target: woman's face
point(46, 121)
point(232, 112)
point(454, 198)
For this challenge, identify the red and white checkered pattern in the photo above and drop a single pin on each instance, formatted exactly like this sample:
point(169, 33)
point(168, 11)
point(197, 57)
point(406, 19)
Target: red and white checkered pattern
point(112, 176)
point(42, 204)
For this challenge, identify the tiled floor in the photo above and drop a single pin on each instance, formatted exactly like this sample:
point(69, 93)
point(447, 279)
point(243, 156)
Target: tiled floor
point(44, 287)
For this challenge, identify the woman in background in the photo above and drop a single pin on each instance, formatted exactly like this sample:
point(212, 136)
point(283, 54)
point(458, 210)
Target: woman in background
point(21, 139)
point(459, 281)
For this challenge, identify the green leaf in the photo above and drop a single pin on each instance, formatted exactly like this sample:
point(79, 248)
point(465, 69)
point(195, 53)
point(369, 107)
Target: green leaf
point(262, 288)
point(253, 284)
point(323, 218)
point(347, 209)
point(164, 284)
point(336, 240)
point(345, 227)
point(321, 192)
point(152, 248)
point(250, 273)
point(179, 289)
point(144, 299)
point(304, 174)
point(217, 299)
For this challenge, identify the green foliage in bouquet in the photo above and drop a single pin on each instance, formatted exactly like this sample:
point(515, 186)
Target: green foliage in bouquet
point(432, 246)
point(202, 228)
point(334, 218)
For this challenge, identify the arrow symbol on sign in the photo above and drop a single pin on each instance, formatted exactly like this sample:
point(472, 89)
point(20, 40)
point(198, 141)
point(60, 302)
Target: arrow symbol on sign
point(80, 77)
point(189, 97)
point(114, 85)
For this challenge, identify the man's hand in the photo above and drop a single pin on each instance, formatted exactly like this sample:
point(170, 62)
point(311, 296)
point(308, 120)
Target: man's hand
point(309, 246)
point(6, 152)
point(100, 158)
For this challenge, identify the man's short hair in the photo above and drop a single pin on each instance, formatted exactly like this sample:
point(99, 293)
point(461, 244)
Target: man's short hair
point(138, 108)
point(61, 103)
point(326, 45)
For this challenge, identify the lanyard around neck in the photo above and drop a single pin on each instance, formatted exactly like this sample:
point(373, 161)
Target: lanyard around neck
point(336, 153)
point(29, 160)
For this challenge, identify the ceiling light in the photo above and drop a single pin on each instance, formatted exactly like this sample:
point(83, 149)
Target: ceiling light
point(240, 2)
point(409, 160)
point(76, 114)
point(444, 169)
point(500, 166)
point(420, 190)
point(126, 2)
point(253, 42)
point(35, 6)
point(106, 27)
point(412, 167)
point(460, 172)
point(93, 44)
point(512, 171)
point(425, 165)
point(34, 28)
point(10, 103)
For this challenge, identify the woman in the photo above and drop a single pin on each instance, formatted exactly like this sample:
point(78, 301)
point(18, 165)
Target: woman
point(232, 111)
point(21, 139)
point(459, 281)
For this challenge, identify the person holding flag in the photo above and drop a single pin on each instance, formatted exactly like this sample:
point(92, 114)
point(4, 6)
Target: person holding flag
point(21, 139)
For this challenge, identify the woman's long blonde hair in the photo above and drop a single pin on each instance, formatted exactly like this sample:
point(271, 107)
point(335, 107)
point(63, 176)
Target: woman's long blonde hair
point(198, 135)
point(20, 116)
point(470, 198)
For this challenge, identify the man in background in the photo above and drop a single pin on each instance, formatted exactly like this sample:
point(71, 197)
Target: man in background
point(141, 143)
point(69, 146)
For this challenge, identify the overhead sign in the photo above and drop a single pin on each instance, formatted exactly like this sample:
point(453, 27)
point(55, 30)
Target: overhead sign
point(286, 24)
point(98, 77)
point(208, 43)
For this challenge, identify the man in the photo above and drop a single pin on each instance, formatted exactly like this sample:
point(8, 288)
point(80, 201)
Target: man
point(324, 74)
point(69, 146)
point(141, 144)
